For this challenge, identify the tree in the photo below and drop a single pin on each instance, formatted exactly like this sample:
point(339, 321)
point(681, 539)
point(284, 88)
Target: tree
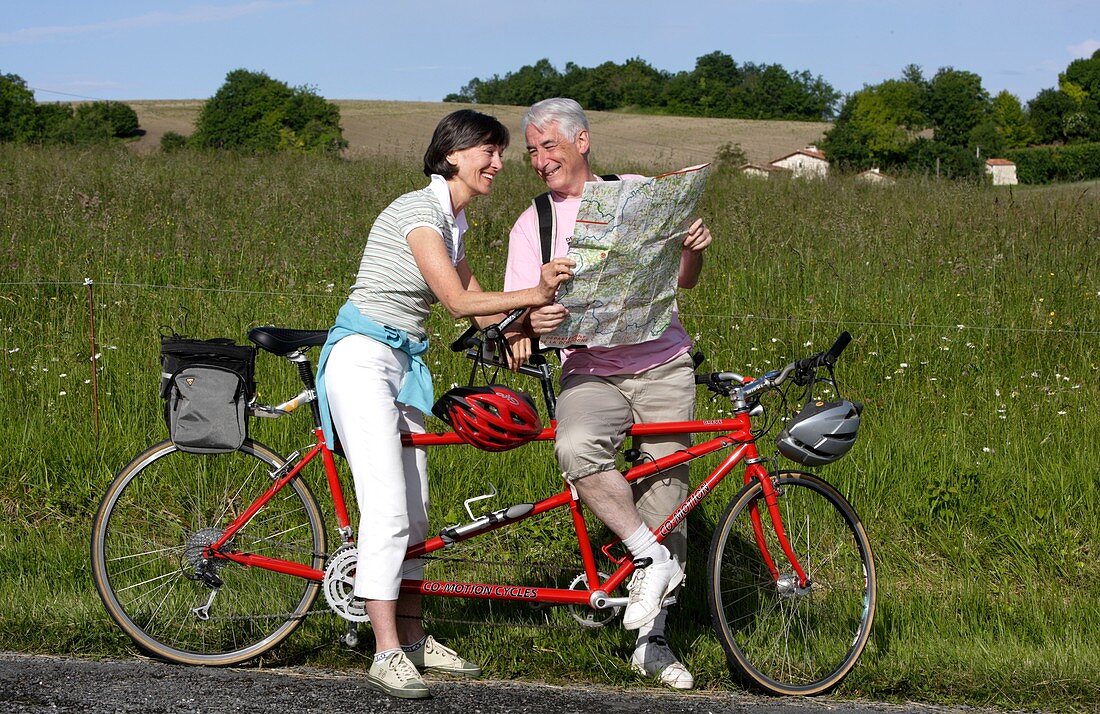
point(957, 104)
point(1011, 121)
point(1047, 112)
point(876, 125)
point(18, 120)
point(254, 112)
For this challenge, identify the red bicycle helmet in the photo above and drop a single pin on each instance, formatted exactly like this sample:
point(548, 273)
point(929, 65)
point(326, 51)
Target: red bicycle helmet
point(492, 418)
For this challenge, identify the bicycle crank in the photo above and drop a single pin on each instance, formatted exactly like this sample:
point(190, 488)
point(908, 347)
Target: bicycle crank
point(585, 615)
point(339, 583)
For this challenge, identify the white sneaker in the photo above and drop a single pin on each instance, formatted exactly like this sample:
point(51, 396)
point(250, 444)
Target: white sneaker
point(650, 585)
point(395, 675)
point(655, 659)
point(434, 657)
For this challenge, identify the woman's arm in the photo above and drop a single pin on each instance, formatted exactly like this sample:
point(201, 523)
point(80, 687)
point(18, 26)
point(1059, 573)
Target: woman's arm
point(458, 289)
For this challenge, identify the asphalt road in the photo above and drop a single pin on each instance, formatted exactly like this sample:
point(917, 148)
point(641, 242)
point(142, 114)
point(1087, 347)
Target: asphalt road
point(36, 685)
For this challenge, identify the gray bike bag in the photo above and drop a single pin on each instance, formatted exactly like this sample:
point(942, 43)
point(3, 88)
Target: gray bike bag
point(206, 385)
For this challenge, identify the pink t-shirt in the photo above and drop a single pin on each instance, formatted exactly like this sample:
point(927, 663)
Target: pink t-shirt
point(524, 263)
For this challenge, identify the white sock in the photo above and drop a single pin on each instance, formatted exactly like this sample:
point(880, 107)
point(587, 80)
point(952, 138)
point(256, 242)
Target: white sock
point(643, 544)
point(379, 656)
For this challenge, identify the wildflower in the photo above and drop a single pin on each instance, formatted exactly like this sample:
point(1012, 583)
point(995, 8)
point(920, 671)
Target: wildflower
point(808, 343)
point(1061, 413)
point(987, 450)
point(63, 393)
point(904, 365)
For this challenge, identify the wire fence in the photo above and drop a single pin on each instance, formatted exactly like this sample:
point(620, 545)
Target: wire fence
point(745, 317)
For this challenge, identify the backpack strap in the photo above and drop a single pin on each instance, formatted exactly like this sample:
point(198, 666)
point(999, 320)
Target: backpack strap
point(544, 209)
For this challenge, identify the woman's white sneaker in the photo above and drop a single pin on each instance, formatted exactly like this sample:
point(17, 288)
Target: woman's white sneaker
point(655, 659)
point(434, 657)
point(396, 676)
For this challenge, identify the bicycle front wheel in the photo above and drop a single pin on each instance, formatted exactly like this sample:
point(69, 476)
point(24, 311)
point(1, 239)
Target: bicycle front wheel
point(156, 518)
point(778, 636)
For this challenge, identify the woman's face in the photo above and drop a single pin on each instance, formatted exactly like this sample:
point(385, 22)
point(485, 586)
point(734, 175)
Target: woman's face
point(477, 167)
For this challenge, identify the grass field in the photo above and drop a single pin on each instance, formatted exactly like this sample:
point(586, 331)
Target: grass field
point(976, 316)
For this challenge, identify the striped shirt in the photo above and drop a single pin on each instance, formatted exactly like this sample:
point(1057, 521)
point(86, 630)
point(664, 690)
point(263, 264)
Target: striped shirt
point(389, 287)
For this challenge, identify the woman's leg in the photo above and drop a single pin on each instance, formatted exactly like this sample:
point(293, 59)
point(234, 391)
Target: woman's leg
point(363, 378)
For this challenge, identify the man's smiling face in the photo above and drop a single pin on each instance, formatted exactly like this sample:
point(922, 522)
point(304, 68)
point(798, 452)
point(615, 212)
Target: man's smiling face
point(560, 162)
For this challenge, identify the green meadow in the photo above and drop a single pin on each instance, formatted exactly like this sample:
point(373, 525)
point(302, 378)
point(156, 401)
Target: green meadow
point(976, 321)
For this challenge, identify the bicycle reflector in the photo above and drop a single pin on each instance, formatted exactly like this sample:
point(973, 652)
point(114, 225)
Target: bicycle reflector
point(821, 433)
point(492, 418)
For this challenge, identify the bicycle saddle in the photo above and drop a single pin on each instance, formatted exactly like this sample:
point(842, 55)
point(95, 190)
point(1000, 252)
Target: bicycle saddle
point(282, 341)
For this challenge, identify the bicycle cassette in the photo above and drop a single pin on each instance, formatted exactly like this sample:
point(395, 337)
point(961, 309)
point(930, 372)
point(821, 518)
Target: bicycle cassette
point(338, 583)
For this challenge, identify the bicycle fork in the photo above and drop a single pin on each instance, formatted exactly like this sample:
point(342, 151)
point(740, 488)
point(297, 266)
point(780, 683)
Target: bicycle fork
point(785, 584)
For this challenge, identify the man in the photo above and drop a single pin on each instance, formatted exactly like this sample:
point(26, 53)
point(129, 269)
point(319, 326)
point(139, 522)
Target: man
point(604, 390)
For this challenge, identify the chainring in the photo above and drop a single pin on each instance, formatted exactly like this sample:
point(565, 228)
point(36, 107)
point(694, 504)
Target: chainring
point(339, 582)
point(586, 615)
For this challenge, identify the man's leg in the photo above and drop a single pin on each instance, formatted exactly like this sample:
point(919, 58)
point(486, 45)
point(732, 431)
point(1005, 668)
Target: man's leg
point(665, 393)
point(593, 417)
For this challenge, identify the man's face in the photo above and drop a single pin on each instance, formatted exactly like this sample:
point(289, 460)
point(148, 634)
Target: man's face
point(561, 163)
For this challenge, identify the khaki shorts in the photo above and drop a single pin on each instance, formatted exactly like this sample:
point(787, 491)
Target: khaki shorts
point(594, 414)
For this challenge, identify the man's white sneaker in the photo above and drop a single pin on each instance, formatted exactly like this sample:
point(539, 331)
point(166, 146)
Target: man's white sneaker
point(655, 659)
point(651, 584)
point(434, 657)
point(395, 675)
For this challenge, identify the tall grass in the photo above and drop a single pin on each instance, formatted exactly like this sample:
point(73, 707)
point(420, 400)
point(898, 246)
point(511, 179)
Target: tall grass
point(976, 315)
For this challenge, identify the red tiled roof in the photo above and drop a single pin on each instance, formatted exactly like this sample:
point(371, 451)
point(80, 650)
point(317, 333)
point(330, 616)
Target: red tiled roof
point(999, 162)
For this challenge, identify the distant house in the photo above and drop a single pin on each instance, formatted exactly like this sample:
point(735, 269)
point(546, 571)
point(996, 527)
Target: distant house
point(874, 176)
point(1003, 170)
point(808, 162)
point(761, 171)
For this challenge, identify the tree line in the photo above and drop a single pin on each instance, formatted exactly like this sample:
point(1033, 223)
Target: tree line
point(951, 122)
point(716, 87)
point(249, 112)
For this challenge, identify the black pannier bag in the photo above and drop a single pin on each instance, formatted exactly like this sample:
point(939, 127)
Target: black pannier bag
point(206, 385)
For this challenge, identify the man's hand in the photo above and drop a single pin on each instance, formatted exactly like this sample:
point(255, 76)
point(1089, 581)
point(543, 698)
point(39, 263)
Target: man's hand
point(546, 318)
point(698, 236)
point(519, 346)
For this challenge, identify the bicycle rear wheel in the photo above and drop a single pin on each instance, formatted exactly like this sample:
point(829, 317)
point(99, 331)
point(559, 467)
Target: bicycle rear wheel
point(779, 637)
point(160, 512)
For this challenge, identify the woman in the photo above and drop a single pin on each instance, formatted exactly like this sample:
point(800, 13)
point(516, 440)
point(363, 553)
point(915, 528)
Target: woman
point(375, 386)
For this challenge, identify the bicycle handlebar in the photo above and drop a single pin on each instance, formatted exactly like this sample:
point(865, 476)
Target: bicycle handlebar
point(470, 338)
point(801, 369)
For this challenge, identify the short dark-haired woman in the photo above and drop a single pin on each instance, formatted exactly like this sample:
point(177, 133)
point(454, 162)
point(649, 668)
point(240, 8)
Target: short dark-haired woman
point(374, 384)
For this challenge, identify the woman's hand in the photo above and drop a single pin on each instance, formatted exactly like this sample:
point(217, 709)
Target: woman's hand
point(553, 274)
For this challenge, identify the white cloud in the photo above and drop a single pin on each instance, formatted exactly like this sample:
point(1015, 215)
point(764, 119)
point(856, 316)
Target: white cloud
point(1084, 49)
point(194, 15)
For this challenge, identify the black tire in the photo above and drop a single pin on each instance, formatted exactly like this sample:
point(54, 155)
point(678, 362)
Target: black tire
point(777, 637)
point(154, 519)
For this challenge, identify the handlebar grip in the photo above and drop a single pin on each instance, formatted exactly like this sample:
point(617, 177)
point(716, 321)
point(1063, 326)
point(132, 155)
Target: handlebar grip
point(834, 352)
point(511, 317)
point(466, 339)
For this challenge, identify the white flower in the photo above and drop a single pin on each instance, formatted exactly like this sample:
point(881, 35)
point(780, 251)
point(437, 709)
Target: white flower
point(903, 365)
point(63, 393)
point(808, 343)
point(13, 351)
point(1061, 413)
point(987, 450)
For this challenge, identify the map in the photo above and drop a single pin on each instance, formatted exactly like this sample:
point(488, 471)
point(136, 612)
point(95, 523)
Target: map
point(627, 245)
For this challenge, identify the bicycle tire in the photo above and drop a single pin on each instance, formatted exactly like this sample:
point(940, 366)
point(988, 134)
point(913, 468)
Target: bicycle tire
point(155, 517)
point(778, 638)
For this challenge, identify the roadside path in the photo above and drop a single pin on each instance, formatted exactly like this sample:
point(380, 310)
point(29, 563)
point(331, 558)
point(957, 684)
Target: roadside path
point(31, 684)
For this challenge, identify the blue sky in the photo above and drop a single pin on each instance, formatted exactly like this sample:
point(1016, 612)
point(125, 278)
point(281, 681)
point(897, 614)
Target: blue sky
point(424, 49)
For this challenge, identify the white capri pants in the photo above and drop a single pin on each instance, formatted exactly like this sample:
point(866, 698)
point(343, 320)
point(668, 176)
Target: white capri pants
point(362, 380)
